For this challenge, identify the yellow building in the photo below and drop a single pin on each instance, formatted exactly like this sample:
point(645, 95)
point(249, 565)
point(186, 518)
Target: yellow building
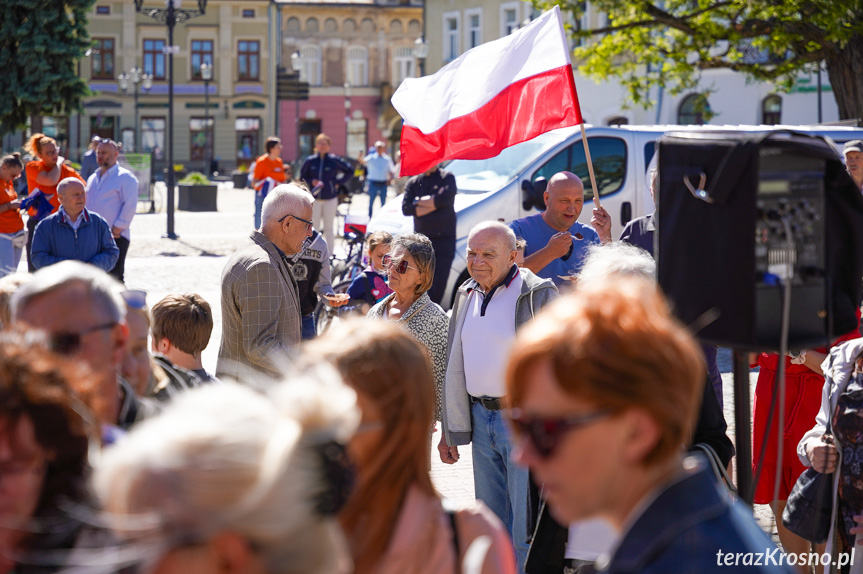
point(235, 36)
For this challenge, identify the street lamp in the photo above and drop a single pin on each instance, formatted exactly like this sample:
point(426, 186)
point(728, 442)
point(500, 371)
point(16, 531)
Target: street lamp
point(295, 64)
point(138, 78)
point(347, 116)
point(207, 76)
point(171, 15)
point(421, 52)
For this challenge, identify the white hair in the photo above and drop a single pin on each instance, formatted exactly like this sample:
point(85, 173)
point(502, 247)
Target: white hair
point(619, 258)
point(285, 199)
point(64, 183)
point(225, 458)
point(501, 228)
point(105, 291)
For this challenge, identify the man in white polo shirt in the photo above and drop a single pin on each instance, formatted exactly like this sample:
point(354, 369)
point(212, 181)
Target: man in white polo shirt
point(498, 299)
point(112, 192)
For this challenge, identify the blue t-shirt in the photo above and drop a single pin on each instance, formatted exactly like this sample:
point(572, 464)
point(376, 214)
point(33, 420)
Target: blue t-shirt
point(369, 279)
point(537, 233)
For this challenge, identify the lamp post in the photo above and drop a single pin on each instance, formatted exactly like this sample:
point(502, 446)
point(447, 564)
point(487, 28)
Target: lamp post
point(138, 78)
point(295, 64)
point(171, 15)
point(421, 52)
point(347, 117)
point(207, 76)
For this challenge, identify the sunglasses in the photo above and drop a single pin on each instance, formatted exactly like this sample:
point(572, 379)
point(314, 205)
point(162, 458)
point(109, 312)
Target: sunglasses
point(544, 434)
point(309, 224)
point(67, 343)
point(401, 267)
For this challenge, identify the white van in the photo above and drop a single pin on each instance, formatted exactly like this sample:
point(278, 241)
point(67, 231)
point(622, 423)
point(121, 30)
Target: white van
point(501, 187)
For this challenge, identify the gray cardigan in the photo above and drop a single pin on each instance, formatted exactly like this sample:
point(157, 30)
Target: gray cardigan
point(535, 294)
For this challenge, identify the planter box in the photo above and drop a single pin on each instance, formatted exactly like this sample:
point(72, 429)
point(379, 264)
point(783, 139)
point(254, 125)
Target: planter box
point(197, 197)
point(241, 179)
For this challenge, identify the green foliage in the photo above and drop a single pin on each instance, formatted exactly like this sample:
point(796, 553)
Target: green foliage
point(668, 43)
point(196, 178)
point(41, 42)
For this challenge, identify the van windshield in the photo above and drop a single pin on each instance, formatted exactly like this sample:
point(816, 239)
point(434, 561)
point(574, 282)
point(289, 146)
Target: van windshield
point(483, 175)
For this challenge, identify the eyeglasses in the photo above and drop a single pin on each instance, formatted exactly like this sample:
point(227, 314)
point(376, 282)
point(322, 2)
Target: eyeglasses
point(309, 224)
point(401, 267)
point(68, 343)
point(544, 434)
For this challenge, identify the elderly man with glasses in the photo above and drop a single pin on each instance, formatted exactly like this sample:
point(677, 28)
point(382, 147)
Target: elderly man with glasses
point(489, 308)
point(261, 320)
point(82, 312)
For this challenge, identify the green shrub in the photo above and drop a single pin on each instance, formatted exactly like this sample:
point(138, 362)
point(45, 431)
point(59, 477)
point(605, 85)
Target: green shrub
point(196, 178)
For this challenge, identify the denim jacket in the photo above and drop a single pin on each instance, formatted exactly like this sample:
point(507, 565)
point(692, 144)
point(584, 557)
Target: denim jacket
point(54, 240)
point(692, 527)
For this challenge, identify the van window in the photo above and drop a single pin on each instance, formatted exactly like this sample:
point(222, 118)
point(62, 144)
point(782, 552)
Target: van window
point(609, 164)
point(649, 150)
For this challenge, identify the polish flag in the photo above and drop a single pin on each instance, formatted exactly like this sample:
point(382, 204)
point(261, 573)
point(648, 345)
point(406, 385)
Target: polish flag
point(491, 97)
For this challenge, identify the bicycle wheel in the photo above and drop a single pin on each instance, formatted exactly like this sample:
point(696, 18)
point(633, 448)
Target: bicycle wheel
point(326, 316)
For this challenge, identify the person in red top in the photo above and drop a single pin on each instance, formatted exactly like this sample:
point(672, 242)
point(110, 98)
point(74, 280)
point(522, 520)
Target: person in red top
point(44, 173)
point(11, 225)
point(803, 384)
point(268, 166)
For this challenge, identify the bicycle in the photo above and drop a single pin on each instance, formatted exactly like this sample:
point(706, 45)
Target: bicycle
point(325, 315)
point(351, 264)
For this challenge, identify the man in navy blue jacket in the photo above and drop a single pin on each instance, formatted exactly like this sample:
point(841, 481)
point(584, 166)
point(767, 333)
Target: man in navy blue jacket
point(320, 173)
point(73, 232)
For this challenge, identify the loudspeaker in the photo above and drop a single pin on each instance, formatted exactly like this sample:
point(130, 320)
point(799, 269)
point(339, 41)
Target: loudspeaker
point(725, 201)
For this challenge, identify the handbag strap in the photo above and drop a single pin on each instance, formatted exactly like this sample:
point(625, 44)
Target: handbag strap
point(718, 469)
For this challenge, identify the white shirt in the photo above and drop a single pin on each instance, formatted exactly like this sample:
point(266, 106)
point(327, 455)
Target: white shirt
point(486, 340)
point(78, 220)
point(114, 196)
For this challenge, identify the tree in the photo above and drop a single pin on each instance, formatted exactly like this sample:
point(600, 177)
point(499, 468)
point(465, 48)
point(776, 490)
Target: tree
point(669, 43)
point(41, 42)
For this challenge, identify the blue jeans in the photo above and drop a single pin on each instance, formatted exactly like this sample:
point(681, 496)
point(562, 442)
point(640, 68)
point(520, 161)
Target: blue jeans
point(498, 481)
point(379, 189)
point(259, 202)
point(10, 255)
point(308, 330)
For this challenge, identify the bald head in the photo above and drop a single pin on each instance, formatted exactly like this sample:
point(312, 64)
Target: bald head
point(107, 153)
point(564, 199)
point(70, 194)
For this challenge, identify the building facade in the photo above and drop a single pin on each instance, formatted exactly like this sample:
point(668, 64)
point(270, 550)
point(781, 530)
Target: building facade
point(228, 124)
point(455, 26)
point(353, 54)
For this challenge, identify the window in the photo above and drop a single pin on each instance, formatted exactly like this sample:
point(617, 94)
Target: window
point(103, 10)
point(248, 60)
point(248, 134)
point(202, 53)
point(692, 110)
point(200, 137)
point(310, 65)
point(771, 110)
point(508, 18)
point(154, 59)
point(617, 121)
point(473, 28)
point(357, 72)
point(357, 137)
point(609, 165)
point(450, 36)
point(309, 130)
point(248, 13)
point(403, 64)
point(153, 136)
point(102, 58)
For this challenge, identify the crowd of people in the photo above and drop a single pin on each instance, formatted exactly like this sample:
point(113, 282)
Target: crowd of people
point(585, 402)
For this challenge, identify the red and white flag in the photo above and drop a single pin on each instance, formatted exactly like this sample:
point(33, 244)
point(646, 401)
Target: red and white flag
point(491, 97)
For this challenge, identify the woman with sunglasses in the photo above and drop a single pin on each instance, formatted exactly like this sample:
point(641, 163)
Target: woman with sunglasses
point(44, 172)
point(410, 266)
point(12, 236)
point(395, 520)
point(605, 385)
point(44, 443)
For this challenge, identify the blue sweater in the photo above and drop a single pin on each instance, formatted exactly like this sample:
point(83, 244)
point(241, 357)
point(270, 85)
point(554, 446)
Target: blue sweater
point(54, 240)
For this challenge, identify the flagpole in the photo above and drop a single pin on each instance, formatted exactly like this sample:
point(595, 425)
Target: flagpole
point(590, 168)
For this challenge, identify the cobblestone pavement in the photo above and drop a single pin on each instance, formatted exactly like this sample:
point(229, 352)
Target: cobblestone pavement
point(193, 263)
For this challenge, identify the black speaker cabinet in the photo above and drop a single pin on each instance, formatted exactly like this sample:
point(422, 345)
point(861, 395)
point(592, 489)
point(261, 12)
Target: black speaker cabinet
point(723, 204)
